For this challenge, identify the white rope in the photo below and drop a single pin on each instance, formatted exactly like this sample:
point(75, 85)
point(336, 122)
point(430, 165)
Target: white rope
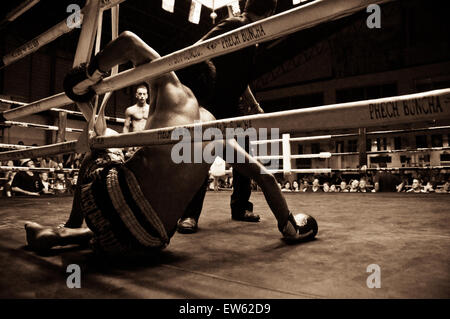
point(40, 126)
point(330, 117)
point(15, 147)
point(37, 169)
point(359, 170)
point(76, 113)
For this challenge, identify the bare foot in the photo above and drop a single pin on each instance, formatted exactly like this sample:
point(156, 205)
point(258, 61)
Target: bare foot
point(40, 238)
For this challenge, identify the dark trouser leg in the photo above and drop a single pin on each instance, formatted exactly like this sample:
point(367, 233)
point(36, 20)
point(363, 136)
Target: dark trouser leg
point(76, 216)
point(241, 194)
point(195, 206)
point(241, 207)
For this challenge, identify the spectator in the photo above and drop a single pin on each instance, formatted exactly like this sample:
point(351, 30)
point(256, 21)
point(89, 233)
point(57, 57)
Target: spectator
point(305, 185)
point(45, 183)
point(416, 187)
point(295, 186)
point(286, 187)
point(363, 186)
point(326, 187)
point(26, 182)
point(60, 184)
point(445, 188)
point(333, 189)
point(343, 187)
point(354, 184)
point(315, 187)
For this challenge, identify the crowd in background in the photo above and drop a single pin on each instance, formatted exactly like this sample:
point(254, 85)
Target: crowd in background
point(39, 183)
point(33, 183)
point(426, 182)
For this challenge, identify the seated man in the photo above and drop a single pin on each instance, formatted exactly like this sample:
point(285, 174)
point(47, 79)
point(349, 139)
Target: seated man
point(27, 182)
point(134, 206)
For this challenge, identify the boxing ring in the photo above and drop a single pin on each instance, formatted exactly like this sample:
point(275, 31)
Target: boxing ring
point(407, 235)
point(228, 259)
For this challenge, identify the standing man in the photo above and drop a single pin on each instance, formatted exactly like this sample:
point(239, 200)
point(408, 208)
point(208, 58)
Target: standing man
point(136, 115)
point(220, 85)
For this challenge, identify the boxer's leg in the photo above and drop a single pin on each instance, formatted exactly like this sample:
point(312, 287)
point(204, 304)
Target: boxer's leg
point(42, 238)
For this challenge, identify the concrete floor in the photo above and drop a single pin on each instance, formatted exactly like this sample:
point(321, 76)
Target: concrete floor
point(407, 235)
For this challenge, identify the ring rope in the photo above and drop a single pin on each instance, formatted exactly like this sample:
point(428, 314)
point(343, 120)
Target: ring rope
point(37, 169)
point(75, 113)
point(15, 147)
point(39, 126)
point(416, 150)
point(336, 136)
point(360, 170)
point(337, 116)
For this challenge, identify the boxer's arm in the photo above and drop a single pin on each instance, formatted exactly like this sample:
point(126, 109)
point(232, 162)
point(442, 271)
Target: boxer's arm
point(251, 168)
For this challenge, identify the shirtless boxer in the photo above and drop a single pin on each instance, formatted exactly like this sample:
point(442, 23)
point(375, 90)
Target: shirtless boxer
point(136, 115)
point(134, 206)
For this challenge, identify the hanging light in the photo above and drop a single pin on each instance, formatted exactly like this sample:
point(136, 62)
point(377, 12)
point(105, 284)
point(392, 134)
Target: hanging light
point(168, 5)
point(213, 14)
point(195, 12)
